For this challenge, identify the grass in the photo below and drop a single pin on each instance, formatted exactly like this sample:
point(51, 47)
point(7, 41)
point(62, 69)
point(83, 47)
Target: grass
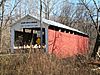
point(40, 63)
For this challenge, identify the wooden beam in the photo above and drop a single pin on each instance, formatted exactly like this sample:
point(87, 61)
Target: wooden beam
point(46, 38)
point(23, 36)
point(12, 40)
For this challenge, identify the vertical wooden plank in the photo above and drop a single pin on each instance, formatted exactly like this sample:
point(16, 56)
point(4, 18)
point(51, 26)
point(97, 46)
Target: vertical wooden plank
point(23, 38)
point(46, 38)
point(31, 37)
point(12, 40)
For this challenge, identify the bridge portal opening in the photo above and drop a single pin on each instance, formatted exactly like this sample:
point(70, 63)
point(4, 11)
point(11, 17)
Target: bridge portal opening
point(29, 36)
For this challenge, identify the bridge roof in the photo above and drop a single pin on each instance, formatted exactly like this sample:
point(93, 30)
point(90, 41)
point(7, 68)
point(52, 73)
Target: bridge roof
point(52, 23)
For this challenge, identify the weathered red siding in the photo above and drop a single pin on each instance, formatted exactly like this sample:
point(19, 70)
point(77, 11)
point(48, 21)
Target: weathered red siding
point(66, 44)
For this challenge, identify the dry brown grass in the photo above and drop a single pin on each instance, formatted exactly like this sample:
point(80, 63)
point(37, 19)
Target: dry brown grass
point(41, 63)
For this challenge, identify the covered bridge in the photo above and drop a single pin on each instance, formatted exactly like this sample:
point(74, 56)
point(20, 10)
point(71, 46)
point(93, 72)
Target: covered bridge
point(59, 39)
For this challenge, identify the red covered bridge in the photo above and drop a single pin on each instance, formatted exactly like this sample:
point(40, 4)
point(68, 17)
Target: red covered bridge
point(59, 39)
point(64, 41)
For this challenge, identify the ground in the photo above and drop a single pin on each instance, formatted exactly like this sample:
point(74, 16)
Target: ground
point(40, 63)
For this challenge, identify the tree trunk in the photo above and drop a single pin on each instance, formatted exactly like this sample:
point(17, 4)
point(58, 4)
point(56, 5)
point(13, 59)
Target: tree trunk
point(0, 40)
point(96, 47)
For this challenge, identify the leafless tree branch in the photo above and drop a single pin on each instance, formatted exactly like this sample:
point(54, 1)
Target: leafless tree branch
point(95, 4)
point(11, 13)
point(89, 14)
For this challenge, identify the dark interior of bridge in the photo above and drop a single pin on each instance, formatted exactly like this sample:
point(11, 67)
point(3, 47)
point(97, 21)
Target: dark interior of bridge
point(25, 37)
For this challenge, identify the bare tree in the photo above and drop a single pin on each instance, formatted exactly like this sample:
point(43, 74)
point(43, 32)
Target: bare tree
point(5, 18)
point(49, 7)
point(95, 20)
point(2, 6)
point(73, 15)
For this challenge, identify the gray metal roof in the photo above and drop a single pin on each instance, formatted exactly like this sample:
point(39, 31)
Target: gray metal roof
point(61, 26)
point(53, 23)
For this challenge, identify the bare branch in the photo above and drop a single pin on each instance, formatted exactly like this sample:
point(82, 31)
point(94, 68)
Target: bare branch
point(11, 13)
point(2, 2)
point(71, 19)
point(95, 4)
point(89, 13)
